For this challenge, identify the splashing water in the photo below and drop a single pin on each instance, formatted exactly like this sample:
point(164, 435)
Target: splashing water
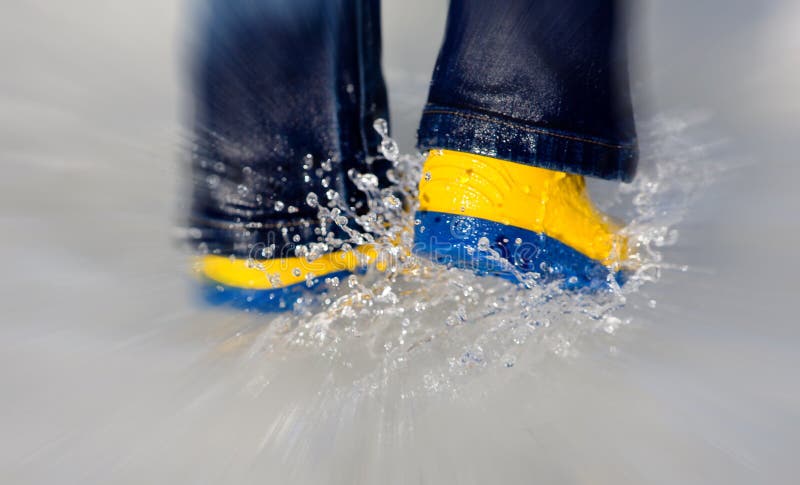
point(112, 375)
point(449, 322)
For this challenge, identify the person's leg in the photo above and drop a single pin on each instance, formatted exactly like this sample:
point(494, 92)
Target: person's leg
point(285, 94)
point(527, 97)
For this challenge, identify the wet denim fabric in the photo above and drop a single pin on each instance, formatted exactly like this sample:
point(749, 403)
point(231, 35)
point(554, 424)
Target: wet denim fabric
point(540, 82)
point(274, 81)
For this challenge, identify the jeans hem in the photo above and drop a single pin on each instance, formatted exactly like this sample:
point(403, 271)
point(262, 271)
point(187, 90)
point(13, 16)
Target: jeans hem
point(495, 136)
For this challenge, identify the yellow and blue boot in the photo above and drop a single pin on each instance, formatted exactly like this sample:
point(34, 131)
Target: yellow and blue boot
point(504, 218)
point(273, 284)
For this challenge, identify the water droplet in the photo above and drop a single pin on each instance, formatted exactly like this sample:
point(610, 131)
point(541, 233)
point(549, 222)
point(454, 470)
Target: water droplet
point(308, 162)
point(392, 202)
point(381, 126)
point(389, 149)
point(367, 181)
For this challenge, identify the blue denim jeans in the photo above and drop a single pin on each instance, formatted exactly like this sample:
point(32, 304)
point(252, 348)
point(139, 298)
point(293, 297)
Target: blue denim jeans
point(283, 88)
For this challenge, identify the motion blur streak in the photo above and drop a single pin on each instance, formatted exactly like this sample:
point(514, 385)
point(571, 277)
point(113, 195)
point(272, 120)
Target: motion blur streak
point(112, 374)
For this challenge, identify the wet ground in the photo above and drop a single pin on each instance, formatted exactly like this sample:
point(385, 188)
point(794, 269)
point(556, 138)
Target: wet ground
point(112, 374)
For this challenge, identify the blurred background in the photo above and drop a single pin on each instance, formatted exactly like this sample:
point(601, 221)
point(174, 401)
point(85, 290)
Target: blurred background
point(111, 374)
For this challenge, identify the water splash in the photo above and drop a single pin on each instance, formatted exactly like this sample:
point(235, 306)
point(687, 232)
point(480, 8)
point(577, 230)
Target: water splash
point(451, 323)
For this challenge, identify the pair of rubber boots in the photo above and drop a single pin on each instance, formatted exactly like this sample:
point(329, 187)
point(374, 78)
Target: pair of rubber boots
point(494, 217)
